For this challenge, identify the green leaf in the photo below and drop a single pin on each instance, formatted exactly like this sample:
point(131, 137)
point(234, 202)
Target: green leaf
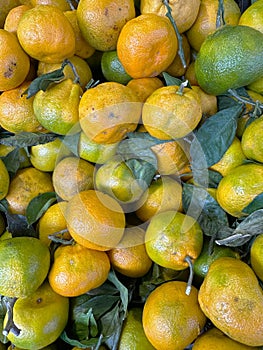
point(214, 137)
point(27, 139)
point(143, 171)
point(206, 177)
point(98, 315)
point(12, 161)
point(18, 226)
point(249, 227)
point(3, 339)
point(38, 205)
point(256, 204)
point(170, 80)
point(198, 203)
point(43, 81)
point(71, 141)
point(226, 101)
point(4, 205)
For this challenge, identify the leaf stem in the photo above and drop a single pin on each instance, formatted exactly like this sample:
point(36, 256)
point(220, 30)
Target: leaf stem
point(220, 20)
point(77, 78)
point(181, 88)
point(179, 37)
point(71, 5)
point(244, 99)
point(10, 325)
point(191, 275)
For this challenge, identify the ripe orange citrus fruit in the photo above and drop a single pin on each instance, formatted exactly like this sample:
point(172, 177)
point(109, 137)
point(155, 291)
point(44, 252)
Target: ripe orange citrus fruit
point(77, 269)
point(24, 186)
point(184, 12)
point(95, 220)
point(46, 34)
point(142, 52)
point(108, 111)
point(164, 193)
point(71, 176)
point(130, 257)
point(170, 237)
point(144, 87)
point(100, 22)
point(15, 62)
point(171, 319)
point(169, 113)
point(16, 111)
point(205, 22)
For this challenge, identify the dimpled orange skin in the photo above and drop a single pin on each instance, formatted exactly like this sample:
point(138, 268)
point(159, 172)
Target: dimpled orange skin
point(107, 112)
point(15, 62)
point(168, 114)
point(147, 45)
point(171, 319)
point(76, 270)
point(45, 34)
point(95, 220)
point(230, 296)
point(101, 21)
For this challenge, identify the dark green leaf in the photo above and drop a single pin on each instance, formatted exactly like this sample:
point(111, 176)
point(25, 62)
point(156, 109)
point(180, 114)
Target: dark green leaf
point(38, 205)
point(143, 171)
point(198, 203)
point(249, 227)
point(256, 204)
point(27, 139)
point(111, 326)
point(71, 141)
point(124, 294)
point(98, 316)
point(4, 205)
point(214, 137)
point(206, 177)
point(137, 148)
point(18, 226)
point(93, 342)
point(43, 81)
point(226, 101)
point(3, 339)
point(170, 80)
point(12, 161)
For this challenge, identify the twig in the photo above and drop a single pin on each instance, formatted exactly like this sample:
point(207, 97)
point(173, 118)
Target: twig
point(220, 20)
point(179, 37)
point(244, 99)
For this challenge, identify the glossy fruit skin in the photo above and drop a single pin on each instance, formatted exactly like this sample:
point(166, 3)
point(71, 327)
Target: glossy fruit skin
point(95, 220)
point(184, 12)
point(171, 319)
point(147, 45)
point(77, 270)
point(239, 187)
point(100, 22)
point(24, 186)
point(46, 35)
point(204, 260)
point(4, 180)
point(205, 23)
point(130, 257)
point(15, 62)
point(168, 113)
point(226, 59)
point(170, 237)
point(41, 318)
point(256, 260)
point(133, 336)
point(232, 299)
point(252, 16)
point(251, 140)
point(217, 340)
point(24, 265)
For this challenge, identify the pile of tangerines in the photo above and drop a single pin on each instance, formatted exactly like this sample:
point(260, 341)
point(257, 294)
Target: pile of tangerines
point(131, 184)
